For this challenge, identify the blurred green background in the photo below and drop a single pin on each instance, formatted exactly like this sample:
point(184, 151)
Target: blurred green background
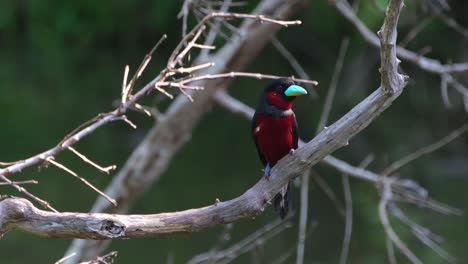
point(61, 63)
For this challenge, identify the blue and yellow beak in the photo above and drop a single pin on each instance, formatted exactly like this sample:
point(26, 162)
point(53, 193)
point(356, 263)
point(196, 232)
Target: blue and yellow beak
point(295, 90)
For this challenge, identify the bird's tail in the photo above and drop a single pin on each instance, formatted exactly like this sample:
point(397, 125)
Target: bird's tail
point(282, 200)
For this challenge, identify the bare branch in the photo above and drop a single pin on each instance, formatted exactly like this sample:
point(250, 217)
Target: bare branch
point(452, 23)
point(243, 74)
point(215, 28)
point(415, 31)
point(333, 84)
point(349, 219)
point(65, 258)
point(251, 203)
point(303, 217)
point(427, 64)
point(228, 255)
point(19, 182)
point(425, 150)
point(106, 170)
point(236, 106)
point(174, 127)
point(20, 189)
point(87, 183)
point(391, 80)
point(386, 196)
point(444, 90)
point(325, 187)
point(102, 119)
point(423, 234)
point(106, 259)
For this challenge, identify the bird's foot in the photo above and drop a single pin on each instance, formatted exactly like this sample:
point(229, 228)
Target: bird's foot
point(267, 171)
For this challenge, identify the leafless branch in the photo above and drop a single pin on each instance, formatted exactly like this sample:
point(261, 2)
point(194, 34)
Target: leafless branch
point(427, 64)
point(425, 150)
point(106, 170)
point(214, 30)
point(242, 74)
point(245, 245)
point(423, 234)
point(106, 259)
point(290, 251)
point(333, 84)
point(128, 99)
point(19, 182)
point(454, 25)
point(236, 106)
point(415, 31)
point(174, 127)
point(251, 203)
point(325, 187)
point(87, 183)
point(386, 197)
point(21, 189)
point(303, 217)
point(444, 91)
point(64, 258)
point(349, 219)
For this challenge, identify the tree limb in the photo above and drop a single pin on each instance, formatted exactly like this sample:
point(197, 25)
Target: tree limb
point(21, 214)
point(174, 128)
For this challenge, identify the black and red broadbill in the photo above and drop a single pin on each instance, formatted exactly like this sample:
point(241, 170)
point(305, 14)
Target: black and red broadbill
point(274, 130)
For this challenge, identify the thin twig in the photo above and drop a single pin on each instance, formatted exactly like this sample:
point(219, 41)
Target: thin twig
point(290, 251)
point(20, 189)
point(65, 258)
point(3, 164)
point(386, 197)
point(415, 31)
point(242, 74)
point(390, 251)
point(333, 84)
point(106, 259)
point(100, 120)
point(425, 150)
point(248, 243)
point(328, 192)
point(303, 217)
point(19, 182)
point(349, 219)
point(106, 170)
point(444, 90)
point(452, 23)
point(60, 166)
point(423, 234)
point(209, 40)
point(129, 86)
point(427, 64)
point(457, 85)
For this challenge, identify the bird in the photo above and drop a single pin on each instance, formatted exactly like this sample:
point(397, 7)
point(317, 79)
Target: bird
point(275, 131)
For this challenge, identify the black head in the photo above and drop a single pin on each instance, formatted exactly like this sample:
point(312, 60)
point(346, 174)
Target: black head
point(281, 92)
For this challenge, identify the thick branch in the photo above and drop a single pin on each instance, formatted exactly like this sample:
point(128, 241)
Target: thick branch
point(20, 213)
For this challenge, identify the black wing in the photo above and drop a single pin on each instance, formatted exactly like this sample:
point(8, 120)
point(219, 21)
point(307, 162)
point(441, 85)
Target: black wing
point(295, 133)
point(252, 130)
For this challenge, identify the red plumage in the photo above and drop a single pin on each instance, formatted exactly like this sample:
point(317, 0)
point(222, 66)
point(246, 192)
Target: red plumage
point(274, 130)
point(274, 136)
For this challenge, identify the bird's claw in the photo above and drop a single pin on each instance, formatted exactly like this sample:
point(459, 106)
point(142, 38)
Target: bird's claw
point(267, 171)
